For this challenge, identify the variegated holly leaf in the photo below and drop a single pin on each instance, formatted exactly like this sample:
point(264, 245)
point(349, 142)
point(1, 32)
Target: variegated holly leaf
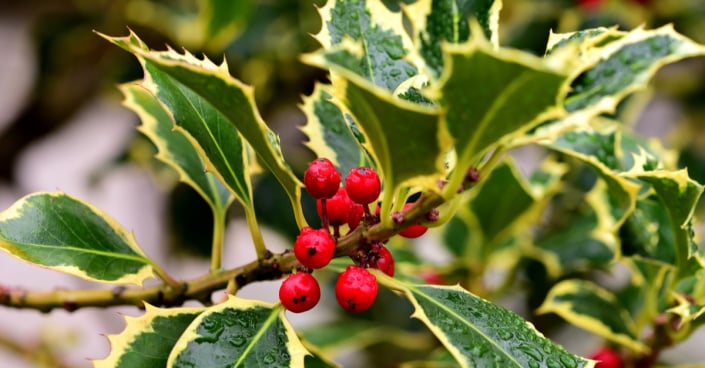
point(60, 232)
point(382, 59)
point(639, 154)
point(643, 296)
point(478, 333)
point(586, 240)
point(343, 335)
point(591, 307)
point(330, 134)
point(502, 205)
point(611, 66)
point(691, 314)
point(219, 116)
point(239, 333)
point(586, 40)
point(626, 65)
point(175, 149)
point(492, 95)
point(678, 194)
point(598, 149)
point(407, 142)
point(435, 22)
point(148, 339)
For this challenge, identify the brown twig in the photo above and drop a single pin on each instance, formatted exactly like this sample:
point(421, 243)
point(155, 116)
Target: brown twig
point(175, 293)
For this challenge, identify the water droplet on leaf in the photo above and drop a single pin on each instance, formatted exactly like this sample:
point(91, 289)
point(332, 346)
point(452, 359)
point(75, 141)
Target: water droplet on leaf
point(268, 358)
point(237, 341)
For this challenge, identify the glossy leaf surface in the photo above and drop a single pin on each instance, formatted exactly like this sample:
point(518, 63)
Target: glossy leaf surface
point(147, 340)
point(239, 333)
point(478, 333)
point(60, 232)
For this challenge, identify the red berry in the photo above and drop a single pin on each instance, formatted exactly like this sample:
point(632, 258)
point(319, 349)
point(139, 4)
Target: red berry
point(607, 358)
point(321, 178)
point(355, 215)
point(299, 292)
point(356, 289)
point(338, 208)
point(383, 261)
point(363, 185)
point(413, 230)
point(314, 248)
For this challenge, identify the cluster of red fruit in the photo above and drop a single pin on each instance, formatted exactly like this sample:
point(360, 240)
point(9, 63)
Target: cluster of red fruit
point(356, 288)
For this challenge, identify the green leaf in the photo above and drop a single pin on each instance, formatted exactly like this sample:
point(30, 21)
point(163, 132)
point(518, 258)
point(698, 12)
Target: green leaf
point(585, 240)
point(384, 41)
point(478, 333)
point(216, 112)
point(647, 234)
point(148, 339)
point(57, 231)
point(329, 133)
point(407, 141)
point(678, 192)
point(585, 39)
point(343, 335)
point(643, 295)
point(679, 195)
point(503, 204)
point(691, 314)
point(597, 149)
point(626, 65)
point(239, 333)
point(512, 92)
point(174, 148)
point(639, 154)
point(435, 22)
point(610, 66)
point(591, 307)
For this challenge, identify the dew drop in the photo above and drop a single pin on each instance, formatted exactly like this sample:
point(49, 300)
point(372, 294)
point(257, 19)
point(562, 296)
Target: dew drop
point(268, 358)
point(568, 362)
point(394, 50)
point(479, 351)
point(237, 341)
point(505, 335)
point(212, 328)
point(532, 352)
point(552, 363)
point(547, 347)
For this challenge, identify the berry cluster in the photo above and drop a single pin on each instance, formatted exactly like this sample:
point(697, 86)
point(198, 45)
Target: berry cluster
point(356, 288)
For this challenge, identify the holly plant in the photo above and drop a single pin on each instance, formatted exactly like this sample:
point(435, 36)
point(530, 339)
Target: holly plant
point(416, 133)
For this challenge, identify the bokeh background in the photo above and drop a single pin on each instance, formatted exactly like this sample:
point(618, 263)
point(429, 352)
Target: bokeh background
point(62, 128)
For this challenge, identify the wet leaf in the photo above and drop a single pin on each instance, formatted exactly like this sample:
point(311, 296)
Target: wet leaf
point(148, 339)
point(60, 232)
point(239, 333)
